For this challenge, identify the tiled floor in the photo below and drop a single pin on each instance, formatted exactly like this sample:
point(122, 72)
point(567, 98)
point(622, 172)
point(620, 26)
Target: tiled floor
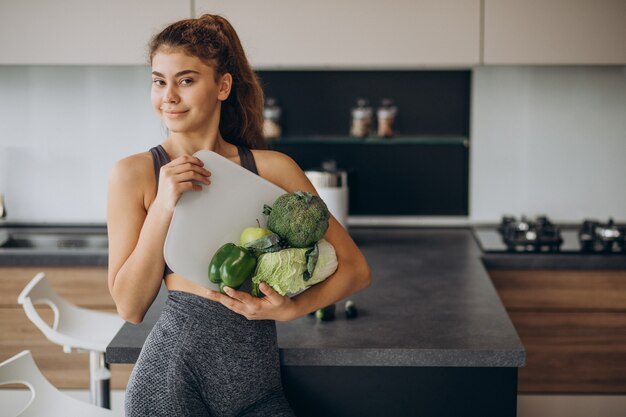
point(12, 401)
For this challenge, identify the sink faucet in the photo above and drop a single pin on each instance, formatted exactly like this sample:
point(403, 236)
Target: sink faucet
point(3, 210)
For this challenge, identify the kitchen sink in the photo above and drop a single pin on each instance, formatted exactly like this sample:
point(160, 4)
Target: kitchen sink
point(54, 239)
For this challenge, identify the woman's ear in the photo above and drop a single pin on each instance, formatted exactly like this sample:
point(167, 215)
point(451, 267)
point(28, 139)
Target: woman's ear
point(225, 84)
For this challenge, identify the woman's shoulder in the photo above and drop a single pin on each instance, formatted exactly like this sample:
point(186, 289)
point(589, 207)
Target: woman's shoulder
point(270, 162)
point(135, 171)
point(133, 165)
point(280, 169)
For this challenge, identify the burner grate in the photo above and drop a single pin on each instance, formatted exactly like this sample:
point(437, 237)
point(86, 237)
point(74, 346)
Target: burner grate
point(530, 236)
point(600, 237)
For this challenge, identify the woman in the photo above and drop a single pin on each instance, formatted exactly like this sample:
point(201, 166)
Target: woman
point(209, 353)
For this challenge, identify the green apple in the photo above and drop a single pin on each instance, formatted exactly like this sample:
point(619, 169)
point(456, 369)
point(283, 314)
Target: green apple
point(251, 234)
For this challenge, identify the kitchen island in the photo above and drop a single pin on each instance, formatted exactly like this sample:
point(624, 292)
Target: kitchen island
point(432, 337)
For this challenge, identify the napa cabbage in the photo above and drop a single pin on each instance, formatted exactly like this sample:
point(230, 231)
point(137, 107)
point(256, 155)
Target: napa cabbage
point(286, 270)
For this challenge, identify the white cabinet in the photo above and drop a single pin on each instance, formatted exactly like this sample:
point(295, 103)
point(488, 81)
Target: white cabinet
point(528, 32)
point(97, 32)
point(322, 34)
point(354, 33)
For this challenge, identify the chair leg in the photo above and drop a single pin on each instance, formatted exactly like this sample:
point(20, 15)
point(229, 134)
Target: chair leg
point(99, 380)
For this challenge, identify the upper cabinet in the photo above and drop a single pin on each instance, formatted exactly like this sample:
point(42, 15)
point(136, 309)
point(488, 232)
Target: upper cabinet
point(326, 34)
point(354, 33)
point(86, 32)
point(528, 32)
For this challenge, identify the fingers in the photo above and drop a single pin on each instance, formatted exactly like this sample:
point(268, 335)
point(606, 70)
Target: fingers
point(239, 295)
point(182, 164)
point(273, 297)
point(189, 167)
point(231, 303)
point(243, 303)
point(191, 176)
point(186, 159)
point(187, 163)
point(185, 173)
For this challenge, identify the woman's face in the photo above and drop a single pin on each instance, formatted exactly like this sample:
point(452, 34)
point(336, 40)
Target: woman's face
point(184, 92)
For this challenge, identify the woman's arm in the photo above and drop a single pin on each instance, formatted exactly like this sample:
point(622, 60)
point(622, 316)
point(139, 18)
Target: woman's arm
point(353, 272)
point(352, 275)
point(137, 235)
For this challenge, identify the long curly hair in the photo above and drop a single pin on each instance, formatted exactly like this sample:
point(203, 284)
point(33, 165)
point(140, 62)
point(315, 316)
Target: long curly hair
point(212, 39)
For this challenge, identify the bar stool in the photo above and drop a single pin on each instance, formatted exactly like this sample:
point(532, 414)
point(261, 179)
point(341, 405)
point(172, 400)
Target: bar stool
point(46, 400)
point(75, 328)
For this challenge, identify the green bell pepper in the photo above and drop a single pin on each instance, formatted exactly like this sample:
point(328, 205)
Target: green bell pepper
point(231, 266)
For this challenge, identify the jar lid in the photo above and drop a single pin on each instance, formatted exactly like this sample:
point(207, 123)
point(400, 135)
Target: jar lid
point(271, 110)
point(386, 112)
point(362, 109)
point(272, 113)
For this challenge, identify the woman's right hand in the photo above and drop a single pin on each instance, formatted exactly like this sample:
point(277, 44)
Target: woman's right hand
point(176, 178)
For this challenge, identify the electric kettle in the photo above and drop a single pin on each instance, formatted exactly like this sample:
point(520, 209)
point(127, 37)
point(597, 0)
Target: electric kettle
point(332, 186)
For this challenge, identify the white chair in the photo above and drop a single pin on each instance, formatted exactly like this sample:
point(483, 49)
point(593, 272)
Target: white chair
point(45, 399)
point(75, 328)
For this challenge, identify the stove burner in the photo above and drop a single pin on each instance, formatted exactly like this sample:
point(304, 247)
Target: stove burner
point(527, 236)
point(605, 238)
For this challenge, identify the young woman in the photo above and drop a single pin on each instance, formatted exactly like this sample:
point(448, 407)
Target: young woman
point(209, 353)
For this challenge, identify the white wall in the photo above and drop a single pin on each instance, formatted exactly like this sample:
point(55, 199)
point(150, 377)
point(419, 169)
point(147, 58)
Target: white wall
point(548, 140)
point(62, 128)
point(543, 140)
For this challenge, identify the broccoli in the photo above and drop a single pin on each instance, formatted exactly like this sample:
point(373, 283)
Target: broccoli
point(299, 217)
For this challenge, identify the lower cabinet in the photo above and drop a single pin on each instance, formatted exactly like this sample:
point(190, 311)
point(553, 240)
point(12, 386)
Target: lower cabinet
point(572, 325)
point(83, 286)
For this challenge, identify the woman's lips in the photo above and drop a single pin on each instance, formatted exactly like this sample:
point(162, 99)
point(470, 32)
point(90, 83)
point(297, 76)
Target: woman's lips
point(174, 114)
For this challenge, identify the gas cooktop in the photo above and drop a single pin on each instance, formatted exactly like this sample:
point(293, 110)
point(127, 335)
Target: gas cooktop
point(542, 236)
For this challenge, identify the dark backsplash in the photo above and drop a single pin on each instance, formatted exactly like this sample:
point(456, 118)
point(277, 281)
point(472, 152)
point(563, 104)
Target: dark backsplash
point(421, 178)
point(319, 102)
point(395, 179)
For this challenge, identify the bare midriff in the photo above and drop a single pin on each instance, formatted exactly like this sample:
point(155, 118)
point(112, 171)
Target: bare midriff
point(175, 282)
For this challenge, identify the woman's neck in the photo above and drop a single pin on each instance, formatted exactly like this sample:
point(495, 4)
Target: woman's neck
point(178, 144)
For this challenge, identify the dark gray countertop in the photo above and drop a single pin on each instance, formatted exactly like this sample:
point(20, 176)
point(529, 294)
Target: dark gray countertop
point(431, 303)
point(99, 257)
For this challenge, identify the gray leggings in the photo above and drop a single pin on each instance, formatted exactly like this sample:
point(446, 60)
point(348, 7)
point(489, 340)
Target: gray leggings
point(202, 359)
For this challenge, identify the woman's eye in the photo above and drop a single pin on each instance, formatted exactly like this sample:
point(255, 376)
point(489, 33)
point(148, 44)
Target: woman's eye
point(157, 82)
point(186, 81)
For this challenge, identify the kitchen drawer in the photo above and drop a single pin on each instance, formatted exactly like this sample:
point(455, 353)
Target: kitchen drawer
point(84, 286)
point(572, 352)
point(571, 324)
point(561, 289)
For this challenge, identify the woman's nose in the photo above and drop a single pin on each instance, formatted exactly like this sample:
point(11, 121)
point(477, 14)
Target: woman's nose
point(170, 96)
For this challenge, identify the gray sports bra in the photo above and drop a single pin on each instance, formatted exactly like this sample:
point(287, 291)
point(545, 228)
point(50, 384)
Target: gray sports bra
point(160, 158)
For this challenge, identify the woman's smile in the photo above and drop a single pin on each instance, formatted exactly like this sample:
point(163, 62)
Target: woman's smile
point(174, 114)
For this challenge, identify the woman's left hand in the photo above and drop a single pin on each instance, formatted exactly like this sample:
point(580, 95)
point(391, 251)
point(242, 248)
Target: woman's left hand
point(271, 307)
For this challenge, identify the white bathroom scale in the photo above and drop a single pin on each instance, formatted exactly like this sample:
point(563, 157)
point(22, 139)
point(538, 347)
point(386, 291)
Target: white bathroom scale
point(205, 220)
